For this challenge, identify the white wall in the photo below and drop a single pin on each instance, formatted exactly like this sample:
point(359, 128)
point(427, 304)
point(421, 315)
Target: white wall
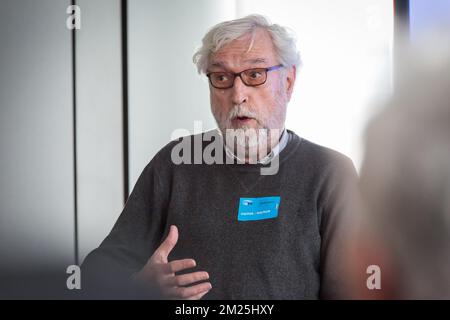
point(99, 121)
point(36, 171)
point(37, 198)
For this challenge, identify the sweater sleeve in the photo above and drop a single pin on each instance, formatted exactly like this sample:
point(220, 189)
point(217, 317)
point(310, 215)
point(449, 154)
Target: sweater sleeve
point(134, 237)
point(338, 214)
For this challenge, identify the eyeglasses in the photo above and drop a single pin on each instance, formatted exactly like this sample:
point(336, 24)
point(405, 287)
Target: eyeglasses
point(250, 77)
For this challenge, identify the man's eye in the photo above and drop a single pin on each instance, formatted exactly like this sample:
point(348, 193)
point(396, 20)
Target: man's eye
point(222, 77)
point(255, 74)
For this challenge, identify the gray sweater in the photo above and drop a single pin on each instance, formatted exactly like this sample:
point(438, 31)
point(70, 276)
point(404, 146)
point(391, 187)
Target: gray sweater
point(299, 254)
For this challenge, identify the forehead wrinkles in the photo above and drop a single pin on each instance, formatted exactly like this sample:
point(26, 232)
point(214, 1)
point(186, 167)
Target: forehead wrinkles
point(258, 43)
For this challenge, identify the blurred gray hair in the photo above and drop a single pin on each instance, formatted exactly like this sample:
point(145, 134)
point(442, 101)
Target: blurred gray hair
point(223, 33)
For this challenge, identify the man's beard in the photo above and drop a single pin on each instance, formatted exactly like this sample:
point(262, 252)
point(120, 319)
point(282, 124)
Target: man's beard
point(247, 141)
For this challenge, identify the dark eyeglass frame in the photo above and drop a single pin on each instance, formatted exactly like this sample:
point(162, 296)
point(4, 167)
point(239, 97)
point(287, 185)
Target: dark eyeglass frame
point(239, 75)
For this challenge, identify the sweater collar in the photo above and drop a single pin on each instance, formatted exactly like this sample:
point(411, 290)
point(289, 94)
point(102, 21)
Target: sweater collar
point(272, 154)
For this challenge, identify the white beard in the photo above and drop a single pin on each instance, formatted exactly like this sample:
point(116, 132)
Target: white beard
point(251, 144)
point(246, 142)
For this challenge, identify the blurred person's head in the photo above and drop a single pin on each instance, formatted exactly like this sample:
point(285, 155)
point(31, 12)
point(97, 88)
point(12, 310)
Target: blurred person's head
point(266, 57)
point(405, 182)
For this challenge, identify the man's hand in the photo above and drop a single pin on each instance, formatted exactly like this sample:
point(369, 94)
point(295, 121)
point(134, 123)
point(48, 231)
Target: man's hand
point(160, 272)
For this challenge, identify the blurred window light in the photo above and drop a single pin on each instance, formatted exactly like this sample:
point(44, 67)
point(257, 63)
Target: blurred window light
point(425, 16)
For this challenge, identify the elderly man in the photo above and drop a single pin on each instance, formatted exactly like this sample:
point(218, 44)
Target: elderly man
point(250, 235)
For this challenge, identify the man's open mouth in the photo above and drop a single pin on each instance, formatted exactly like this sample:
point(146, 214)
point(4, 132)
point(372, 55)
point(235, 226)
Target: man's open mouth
point(243, 119)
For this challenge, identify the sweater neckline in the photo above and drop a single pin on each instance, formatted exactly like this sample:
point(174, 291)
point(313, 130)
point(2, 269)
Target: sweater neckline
point(283, 156)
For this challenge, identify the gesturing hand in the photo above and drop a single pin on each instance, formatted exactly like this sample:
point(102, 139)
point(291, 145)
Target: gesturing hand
point(160, 272)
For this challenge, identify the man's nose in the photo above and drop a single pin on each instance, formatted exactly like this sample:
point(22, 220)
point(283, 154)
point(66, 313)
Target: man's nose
point(240, 91)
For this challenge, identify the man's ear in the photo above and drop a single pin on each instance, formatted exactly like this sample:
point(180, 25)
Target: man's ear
point(290, 81)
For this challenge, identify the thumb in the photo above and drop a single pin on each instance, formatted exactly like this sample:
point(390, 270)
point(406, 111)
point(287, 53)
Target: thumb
point(168, 244)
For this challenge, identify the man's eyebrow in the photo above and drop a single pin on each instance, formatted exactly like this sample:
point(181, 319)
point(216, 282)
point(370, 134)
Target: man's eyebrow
point(222, 64)
point(218, 64)
point(255, 61)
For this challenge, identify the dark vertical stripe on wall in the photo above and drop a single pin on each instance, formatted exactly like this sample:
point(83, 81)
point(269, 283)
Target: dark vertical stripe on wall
point(401, 34)
point(125, 97)
point(74, 116)
point(401, 12)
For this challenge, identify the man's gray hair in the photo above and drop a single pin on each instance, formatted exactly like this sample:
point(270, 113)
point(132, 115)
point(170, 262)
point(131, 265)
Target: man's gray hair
point(223, 33)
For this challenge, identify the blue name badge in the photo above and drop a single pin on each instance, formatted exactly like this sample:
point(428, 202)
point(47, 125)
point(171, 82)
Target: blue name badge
point(251, 209)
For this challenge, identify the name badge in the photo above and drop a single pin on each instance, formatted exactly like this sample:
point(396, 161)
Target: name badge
point(251, 209)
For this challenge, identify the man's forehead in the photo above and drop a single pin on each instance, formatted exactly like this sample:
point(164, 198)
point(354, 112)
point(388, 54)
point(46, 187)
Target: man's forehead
point(247, 50)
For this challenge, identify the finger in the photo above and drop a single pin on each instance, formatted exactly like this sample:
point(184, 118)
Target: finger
point(168, 244)
point(179, 265)
point(187, 292)
point(187, 279)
